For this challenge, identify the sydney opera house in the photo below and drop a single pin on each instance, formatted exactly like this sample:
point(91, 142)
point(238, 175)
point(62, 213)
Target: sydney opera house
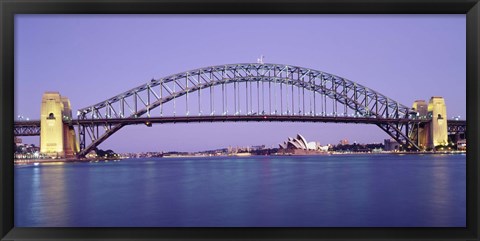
point(300, 146)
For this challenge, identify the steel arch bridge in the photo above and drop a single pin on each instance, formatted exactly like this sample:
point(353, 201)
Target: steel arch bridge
point(247, 92)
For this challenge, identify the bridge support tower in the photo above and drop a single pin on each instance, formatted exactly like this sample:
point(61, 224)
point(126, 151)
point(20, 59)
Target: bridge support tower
point(434, 132)
point(57, 135)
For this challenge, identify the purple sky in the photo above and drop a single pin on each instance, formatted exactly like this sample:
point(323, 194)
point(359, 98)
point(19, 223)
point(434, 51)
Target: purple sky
point(89, 58)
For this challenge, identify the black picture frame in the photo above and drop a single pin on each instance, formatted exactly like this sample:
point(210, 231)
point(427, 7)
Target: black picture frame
point(8, 9)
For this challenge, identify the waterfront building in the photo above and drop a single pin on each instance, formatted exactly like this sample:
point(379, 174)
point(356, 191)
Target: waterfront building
point(91, 154)
point(300, 145)
point(17, 140)
point(259, 147)
point(391, 145)
point(27, 151)
point(462, 145)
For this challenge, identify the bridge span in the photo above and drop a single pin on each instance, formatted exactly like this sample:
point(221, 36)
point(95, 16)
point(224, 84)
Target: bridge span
point(253, 92)
point(32, 128)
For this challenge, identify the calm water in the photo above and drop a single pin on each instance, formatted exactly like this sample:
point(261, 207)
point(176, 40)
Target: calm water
point(339, 190)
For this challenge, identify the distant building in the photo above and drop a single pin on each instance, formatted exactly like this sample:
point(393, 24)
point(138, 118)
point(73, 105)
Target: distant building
point(17, 140)
point(391, 145)
point(344, 142)
point(260, 147)
point(462, 145)
point(299, 145)
point(91, 154)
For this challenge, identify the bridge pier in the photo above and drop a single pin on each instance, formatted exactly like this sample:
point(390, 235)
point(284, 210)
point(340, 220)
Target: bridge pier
point(57, 136)
point(434, 132)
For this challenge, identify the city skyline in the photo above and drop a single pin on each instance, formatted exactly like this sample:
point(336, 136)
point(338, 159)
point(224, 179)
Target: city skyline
point(91, 58)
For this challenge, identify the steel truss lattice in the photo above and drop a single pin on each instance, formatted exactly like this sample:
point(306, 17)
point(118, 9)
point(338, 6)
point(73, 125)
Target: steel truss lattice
point(345, 96)
point(27, 128)
point(457, 126)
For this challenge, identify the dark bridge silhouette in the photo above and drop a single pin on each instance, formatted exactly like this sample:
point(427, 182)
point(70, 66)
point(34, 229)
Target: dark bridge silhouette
point(246, 92)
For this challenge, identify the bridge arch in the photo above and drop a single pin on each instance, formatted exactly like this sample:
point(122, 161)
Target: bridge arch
point(371, 106)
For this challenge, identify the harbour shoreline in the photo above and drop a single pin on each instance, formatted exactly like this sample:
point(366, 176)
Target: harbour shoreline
point(74, 160)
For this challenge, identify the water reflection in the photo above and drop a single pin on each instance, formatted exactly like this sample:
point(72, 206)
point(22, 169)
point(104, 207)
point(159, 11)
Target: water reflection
point(55, 195)
point(371, 190)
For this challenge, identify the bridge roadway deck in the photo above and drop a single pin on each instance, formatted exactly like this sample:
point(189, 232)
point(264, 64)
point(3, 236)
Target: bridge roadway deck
point(234, 118)
point(32, 128)
point(229, 118)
